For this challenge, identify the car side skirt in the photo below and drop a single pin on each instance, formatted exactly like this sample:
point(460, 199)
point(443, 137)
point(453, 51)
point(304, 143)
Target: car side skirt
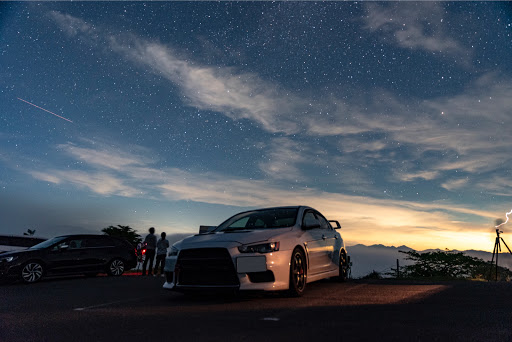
point(323, 275)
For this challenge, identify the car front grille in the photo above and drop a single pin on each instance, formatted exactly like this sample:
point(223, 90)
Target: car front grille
point(206, 267)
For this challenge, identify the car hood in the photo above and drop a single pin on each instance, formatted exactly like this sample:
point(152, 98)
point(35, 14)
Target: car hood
point(239, 237)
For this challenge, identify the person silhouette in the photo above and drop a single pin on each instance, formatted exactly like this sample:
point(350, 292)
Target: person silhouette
point(150, 243)
point(161, 252)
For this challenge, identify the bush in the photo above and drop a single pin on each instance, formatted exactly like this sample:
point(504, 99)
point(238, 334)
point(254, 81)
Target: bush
point(450, 265)
point(125, 232)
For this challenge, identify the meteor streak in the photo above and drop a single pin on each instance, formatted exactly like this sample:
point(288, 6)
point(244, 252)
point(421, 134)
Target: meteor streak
point(510, 212)
point(45, 110)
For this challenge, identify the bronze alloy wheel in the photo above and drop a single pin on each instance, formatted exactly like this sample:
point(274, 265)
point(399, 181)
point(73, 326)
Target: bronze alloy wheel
point(297, 273)
point(343, 268)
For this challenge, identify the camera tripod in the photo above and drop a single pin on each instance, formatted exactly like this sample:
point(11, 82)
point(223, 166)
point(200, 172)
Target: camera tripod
point(496, 252)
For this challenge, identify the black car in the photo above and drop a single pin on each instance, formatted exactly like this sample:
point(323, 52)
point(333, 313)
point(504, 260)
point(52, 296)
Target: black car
point(69, 254)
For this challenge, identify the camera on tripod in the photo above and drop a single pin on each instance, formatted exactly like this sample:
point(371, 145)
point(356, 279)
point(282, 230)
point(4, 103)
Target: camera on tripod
point(496, 251)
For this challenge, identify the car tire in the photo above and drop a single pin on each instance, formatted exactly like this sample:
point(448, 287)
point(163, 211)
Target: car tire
point(32, 272)
point(343, 266)
point(116, 267)
point(298, 273)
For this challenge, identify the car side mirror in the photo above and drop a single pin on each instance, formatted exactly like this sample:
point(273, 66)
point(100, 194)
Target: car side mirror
point(335, 224)
point(60, 248)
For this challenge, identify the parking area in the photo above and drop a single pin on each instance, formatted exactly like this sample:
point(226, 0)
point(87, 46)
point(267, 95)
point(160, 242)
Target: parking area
point(135, 308)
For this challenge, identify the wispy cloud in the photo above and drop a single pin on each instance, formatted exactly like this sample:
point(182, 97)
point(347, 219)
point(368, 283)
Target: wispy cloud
point(415, 25)
point(237, 94)
point(285, 159)
point(465, 132)
point(103, 157)
point(497, 185)
point(426, 175)
point(455, 184)
point(74, 26)
point(100, 183)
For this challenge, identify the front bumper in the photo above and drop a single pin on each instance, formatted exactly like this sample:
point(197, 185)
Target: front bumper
point(243, 271)
point(9, 270)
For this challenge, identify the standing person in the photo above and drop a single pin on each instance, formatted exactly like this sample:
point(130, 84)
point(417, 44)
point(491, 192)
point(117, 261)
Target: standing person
point(161, 251)
point(150, 242)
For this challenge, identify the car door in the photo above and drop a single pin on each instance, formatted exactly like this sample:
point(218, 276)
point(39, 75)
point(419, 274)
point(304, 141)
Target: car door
point(314, 242)
point(65, 256)
point(98, 250)
point(331, 244)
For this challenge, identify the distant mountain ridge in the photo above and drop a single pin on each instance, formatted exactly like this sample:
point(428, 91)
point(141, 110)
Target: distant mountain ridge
point(380, 258)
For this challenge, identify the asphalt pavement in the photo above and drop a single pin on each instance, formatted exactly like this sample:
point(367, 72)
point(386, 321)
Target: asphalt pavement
point(136, 308)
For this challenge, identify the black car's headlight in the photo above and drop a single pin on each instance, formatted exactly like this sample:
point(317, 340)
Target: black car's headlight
point(268, 247)
point(173, 252)
point(8, 259)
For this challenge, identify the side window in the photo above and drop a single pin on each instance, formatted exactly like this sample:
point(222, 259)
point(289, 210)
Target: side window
point(324, 224)
point(68, 245)
point(256, 222)
point(75, 243)
point(240, 223)
point(310, 219)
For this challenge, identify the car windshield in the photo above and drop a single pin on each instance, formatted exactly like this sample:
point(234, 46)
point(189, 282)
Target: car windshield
point(48, 243)
point(260, 219)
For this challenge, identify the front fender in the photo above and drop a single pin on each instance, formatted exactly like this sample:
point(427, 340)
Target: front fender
point(170, 263)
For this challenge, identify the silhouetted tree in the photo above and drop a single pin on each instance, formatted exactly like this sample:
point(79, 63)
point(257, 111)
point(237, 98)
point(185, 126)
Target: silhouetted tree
point(30, 232)
point(125, 232)
point(448, 264)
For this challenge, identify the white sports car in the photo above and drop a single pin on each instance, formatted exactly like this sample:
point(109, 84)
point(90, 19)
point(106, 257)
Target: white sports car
point(269, 249)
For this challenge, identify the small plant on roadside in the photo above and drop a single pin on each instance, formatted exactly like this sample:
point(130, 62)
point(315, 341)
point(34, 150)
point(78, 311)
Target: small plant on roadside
point(373, 275)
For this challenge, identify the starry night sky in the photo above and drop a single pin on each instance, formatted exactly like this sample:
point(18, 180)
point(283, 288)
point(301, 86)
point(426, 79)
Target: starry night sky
point(393, 118)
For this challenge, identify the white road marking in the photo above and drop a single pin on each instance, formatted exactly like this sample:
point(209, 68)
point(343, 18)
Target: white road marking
point(110, 303)
point(275, 319)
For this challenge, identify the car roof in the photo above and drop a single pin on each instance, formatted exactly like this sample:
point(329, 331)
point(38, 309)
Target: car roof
point(281, 207)
point(298, 207)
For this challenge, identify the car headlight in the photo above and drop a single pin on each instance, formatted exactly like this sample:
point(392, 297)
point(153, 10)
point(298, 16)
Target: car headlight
point(174, 251)
point(268, 247)
point(7, 259)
